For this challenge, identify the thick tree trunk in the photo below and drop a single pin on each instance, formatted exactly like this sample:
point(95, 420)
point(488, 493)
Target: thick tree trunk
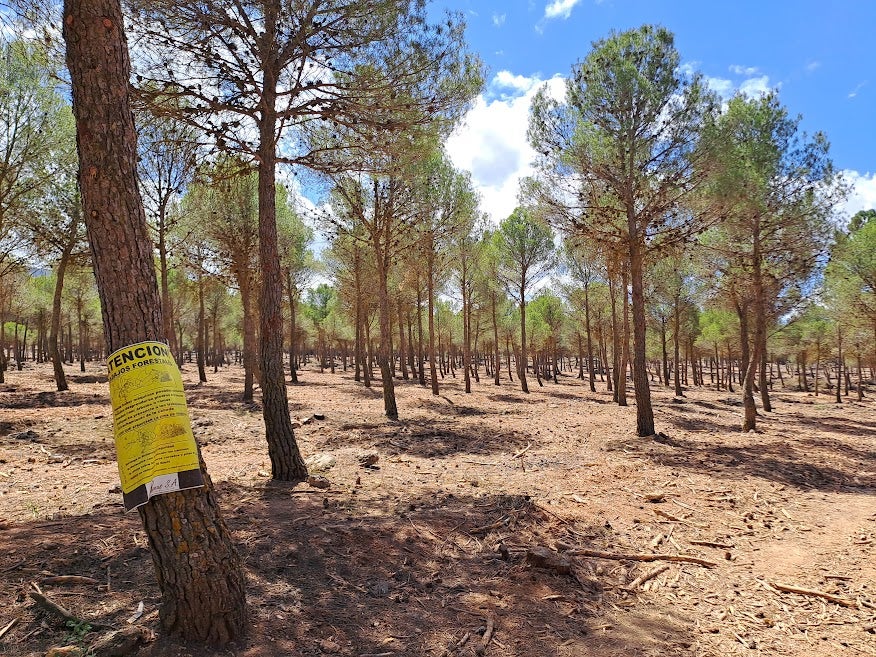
point(198, 569)
point(644, 413)
point(286, 461)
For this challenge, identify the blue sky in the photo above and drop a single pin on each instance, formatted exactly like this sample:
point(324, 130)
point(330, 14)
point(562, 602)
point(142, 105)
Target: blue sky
point(819, 55)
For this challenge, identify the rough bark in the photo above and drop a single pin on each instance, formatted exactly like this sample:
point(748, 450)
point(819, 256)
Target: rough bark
point(644, 412)
point(286, 461)
point(198, 569)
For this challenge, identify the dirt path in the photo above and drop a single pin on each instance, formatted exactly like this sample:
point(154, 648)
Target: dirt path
point(410, 557)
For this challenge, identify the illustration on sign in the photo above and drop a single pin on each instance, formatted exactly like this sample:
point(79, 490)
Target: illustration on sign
point(156, 447)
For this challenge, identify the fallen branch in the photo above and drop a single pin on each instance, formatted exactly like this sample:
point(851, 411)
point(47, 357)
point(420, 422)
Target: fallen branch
point(8, 627)
point(488, 635)
point(13, 566)
point(684, 558)
point(494, 525)
point(644, 577)
point(669, 516)
point(68, 579)
point(61, 612)
point(817, 594)
point(521, 452)
point(458, 645)
point(714, 544)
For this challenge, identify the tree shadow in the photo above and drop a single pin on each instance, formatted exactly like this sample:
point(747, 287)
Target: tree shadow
point(413, 575)
point(834, 424)
point(506, 398)
point(209, 397)
point(410, 575)
point(780, 461)
point(427, 438)
point(54, 400)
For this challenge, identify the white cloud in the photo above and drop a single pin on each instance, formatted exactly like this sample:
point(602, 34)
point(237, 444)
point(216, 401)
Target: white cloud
point(863, 194)
point(755, 86)
point(560, 9)
point(812, 66)
point(498, 20)
point(743, 70)
point(722, 87)
point(854, 92)
point(519, 83)
point(492, 144)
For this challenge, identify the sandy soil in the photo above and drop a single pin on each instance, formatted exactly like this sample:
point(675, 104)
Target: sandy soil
point(442, 539)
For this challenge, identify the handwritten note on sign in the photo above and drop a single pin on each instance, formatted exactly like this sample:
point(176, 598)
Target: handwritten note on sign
point(154, 441)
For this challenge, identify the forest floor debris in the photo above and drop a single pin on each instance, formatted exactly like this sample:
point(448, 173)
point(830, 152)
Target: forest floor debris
point(496, 523)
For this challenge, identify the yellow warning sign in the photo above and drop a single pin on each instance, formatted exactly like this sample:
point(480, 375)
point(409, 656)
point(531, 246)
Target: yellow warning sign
point(154, 440)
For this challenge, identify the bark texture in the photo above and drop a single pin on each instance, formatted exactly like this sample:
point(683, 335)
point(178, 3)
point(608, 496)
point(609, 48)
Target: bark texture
point(197, 566)
point(286, 461)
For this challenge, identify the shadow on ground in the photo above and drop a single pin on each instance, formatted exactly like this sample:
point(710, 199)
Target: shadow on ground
point(327, 574)
point(428, 438)
point(822, 465)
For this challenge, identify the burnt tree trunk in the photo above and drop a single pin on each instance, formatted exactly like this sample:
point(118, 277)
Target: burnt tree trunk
point(199, 571)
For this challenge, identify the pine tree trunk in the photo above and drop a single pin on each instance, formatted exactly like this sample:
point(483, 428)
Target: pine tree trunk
point(198, 569)
point(590, 371)
point(521, 366)
point(430, 299)
point(166, 309)
point(202, 332)
point(244, 282)
point(54, 352)
point(402, 346)
point(675, 348)
point(625, 347)
point(293, 329)
point(286, 461)
point(644, 413)
point(496, 357)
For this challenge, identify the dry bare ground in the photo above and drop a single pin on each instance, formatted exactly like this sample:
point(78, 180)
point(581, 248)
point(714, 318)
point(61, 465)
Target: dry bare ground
point(484, 528)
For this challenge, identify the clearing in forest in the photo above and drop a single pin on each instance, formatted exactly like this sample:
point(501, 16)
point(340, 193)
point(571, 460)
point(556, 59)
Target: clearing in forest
point(494, 523)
